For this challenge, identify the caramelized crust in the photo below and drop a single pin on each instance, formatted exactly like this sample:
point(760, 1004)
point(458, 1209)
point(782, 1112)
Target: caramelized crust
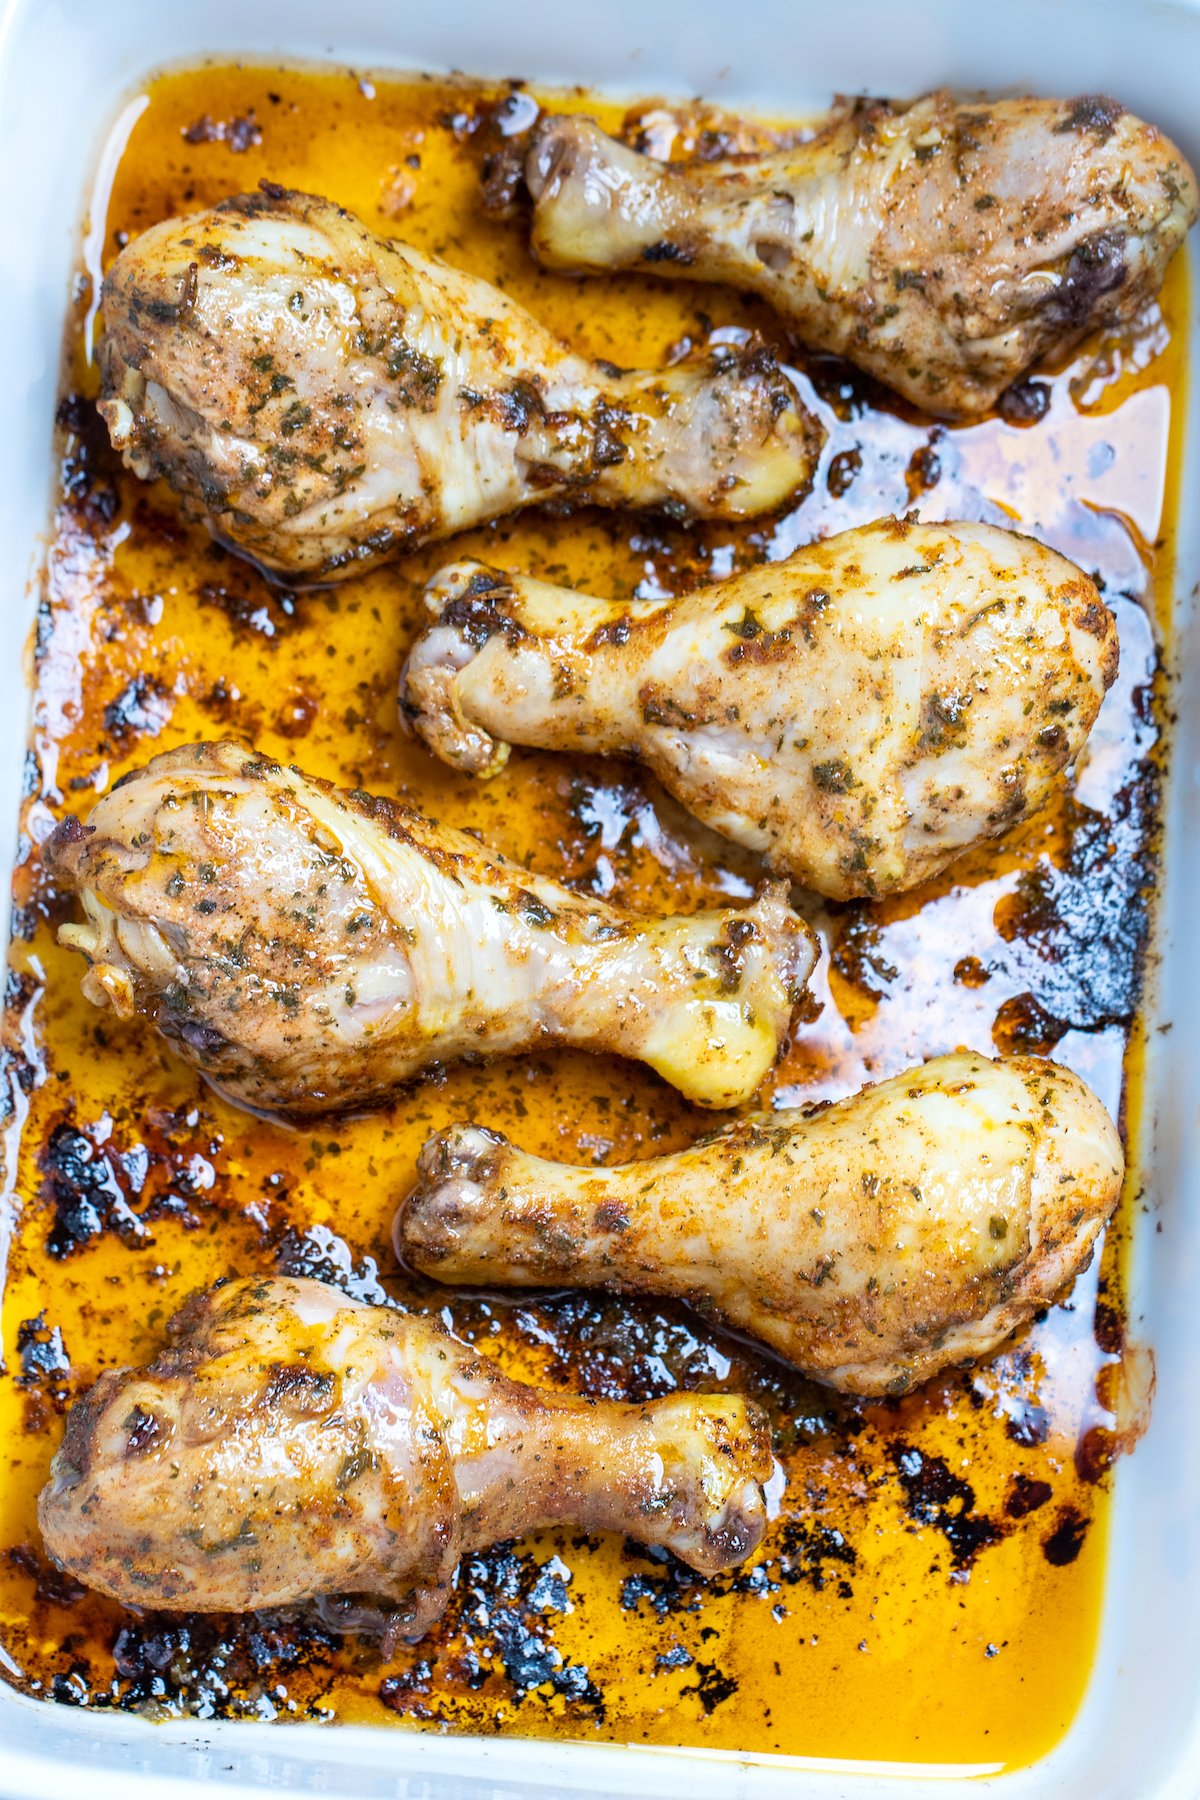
point(944, 247)
point(872, 1242)
point(327, 398)
point(293, 1442)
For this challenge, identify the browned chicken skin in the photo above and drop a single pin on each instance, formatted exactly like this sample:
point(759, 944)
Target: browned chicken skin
point(943, 246)
point(310, 948)
point(326, 398)
point(872, 1243)
point(860, 713)
point(294, 1443)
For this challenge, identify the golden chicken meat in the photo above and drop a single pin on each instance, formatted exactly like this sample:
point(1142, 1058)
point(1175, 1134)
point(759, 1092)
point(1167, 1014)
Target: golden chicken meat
point(872, 1243)
point(860, 713)
point(325, 398)
point(310, 948)
point(293, 1443)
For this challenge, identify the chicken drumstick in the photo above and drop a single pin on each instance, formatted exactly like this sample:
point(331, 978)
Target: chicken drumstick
point(860, 713)
point(872, 1243)
point(293, 1442)
point(943, 246)
point(310, 948)
point(327, 398)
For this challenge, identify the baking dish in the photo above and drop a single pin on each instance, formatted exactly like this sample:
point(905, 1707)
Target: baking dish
point(61, 77)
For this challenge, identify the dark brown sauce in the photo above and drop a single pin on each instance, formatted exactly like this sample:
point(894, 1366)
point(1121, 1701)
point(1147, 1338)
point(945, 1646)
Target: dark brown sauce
point(931, 1589)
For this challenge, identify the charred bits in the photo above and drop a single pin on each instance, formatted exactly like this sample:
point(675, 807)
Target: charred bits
point(318, 1254)
point(45, 1372)
point(502, 1610)
point(93, 1186)
point(1065, 1542)
point(858, 957)
point(52, 1585)
point(141, 709)
point(1077, 934)
point(934, 1496)
point(1026, 1495)
point(711, 1687)
point(89, 464)
point(239, 134)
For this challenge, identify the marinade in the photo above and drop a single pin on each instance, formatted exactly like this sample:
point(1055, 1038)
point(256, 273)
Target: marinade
point(931, 1589)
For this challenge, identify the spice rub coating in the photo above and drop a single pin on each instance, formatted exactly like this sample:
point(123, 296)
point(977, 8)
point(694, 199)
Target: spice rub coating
point(943, 246)
point(293, 1442)
point(860, 713)
point(309, 947)
point(872, 1242)
point(326, 398)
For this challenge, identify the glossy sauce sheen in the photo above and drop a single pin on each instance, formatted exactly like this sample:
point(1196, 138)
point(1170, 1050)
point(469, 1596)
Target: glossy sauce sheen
point(931, 1589)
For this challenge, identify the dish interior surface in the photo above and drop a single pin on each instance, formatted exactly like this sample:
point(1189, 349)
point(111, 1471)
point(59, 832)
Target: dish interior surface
point(932, 1587)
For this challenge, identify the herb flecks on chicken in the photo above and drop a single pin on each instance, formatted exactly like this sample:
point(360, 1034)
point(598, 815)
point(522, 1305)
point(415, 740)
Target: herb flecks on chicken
point(943, 246)
point(327, 398)
point(872, 1243)
point(310, 948)
point(860, 713)
point(294, 1443)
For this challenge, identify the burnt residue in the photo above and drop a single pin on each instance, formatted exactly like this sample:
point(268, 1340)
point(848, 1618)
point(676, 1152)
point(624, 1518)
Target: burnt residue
point(1025, 402)
point(935, 1496)
point(93, 1184)
point(215, 1667)
point(46, 1380)
point(498, 1640)
point(254, 608)
point(90, 1191)
point(711, 1687)
point(609, 1349)
point(1026, 1496)
point(844, 468)
point(318, 1253)
point(1023, 1027)
point(239, 134)
point(799, 1553)
point(858, 953)
point(89, 467)
point(1077, 930)
point(816, 1555)
point(924, 469)
point(668, 1588)
point(41, 1351)
point(50, 1584)
point(141, 709)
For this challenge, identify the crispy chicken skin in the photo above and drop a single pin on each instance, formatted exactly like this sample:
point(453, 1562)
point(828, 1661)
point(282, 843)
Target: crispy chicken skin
point(327, 398)
point(309, 948)
point(860, 713)
point(293, 1443)
point(872, 1243)
point(944, 247)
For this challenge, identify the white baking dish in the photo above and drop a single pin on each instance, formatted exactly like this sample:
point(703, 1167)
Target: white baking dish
point(65, 68)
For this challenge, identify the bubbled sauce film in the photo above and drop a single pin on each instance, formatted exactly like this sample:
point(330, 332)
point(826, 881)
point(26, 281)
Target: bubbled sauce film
point(931, 1589)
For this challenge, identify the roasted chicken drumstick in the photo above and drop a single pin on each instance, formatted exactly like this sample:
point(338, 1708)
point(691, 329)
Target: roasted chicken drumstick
point(871, 1243)
point(860, 713)
point(310, 948)
point(942, 246)
point(293, 1442)
point(327, 398)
